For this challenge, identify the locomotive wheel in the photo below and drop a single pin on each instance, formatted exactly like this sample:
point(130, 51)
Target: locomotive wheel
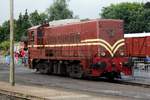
point(76, 71)
point(43, 68)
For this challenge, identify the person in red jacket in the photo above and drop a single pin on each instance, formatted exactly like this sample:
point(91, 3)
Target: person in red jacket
point(22, 54)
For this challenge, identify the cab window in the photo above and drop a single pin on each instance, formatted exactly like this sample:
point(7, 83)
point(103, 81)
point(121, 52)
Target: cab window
point(32, 36)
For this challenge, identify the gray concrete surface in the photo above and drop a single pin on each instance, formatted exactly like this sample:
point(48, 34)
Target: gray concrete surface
point(81, 89)
point(31, 92)
point(85, 89)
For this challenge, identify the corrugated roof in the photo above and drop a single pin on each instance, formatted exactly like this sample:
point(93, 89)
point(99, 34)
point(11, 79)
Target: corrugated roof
point(136, 35)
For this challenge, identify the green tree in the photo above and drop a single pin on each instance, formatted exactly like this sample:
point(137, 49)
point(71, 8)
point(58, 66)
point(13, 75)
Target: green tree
point(147, 5)
point(43, 16)
point(59, 10)
point(22, 24)
point(4, 31)
point(135, 16)
point(5, 45)
point(26, 23)
point(146, 15)
point(35, 18)
point(19, 27)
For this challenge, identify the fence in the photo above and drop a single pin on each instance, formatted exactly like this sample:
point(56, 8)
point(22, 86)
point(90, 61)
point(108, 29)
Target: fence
point(141, 68)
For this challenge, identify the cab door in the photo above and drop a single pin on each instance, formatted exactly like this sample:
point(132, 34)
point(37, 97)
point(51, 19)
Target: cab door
point(31, 37)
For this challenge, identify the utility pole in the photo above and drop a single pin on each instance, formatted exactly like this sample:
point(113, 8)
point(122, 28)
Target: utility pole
point(12, 67)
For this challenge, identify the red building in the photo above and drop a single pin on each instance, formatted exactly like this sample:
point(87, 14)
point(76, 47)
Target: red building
point(137, 44)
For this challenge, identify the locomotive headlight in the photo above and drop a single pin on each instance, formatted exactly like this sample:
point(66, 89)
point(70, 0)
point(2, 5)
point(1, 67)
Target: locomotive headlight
point(103, 54)
point(122, 54)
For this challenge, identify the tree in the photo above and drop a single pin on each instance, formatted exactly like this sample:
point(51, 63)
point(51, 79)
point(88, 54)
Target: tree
point(4, 31)
point(44, 17)
point(147, 5)
point(26, 22)
point(22, 24)
point(19, 27)
point(146, 15)
point(36, 18)
point(5, 45)
point(135, 16)
point(59, 10)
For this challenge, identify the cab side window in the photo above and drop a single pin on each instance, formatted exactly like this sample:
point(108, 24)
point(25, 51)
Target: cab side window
point(32, 36)
point(40, 36)
point(39, 33)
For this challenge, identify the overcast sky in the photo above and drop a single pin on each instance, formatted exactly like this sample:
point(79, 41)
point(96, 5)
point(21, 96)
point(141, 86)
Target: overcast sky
point(82, 8)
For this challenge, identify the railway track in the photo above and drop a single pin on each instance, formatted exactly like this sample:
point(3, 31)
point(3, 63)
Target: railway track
point(123, 82)
point(10, 95)
point(132, 83)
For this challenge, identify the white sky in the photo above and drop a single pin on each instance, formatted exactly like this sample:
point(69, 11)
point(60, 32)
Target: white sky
point(82, 8)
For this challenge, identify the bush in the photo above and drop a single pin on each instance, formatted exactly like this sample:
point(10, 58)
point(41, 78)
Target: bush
point(4, 46)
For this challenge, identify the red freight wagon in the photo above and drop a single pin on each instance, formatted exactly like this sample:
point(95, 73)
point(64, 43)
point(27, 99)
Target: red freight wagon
point(87, 48)
point(137, 44)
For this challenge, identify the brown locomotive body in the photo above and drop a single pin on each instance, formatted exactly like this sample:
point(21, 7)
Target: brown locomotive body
point(87, 48)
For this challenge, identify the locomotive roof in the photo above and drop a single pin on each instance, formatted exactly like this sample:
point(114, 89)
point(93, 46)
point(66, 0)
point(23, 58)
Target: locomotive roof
point(83, 21)
point(130, 35)
point(65, 22)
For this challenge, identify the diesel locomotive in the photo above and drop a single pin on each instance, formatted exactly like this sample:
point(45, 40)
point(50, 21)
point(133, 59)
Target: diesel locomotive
point(92, 48)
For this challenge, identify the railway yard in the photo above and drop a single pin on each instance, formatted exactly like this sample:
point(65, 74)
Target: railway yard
point(34, 85)
point(62, 54)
